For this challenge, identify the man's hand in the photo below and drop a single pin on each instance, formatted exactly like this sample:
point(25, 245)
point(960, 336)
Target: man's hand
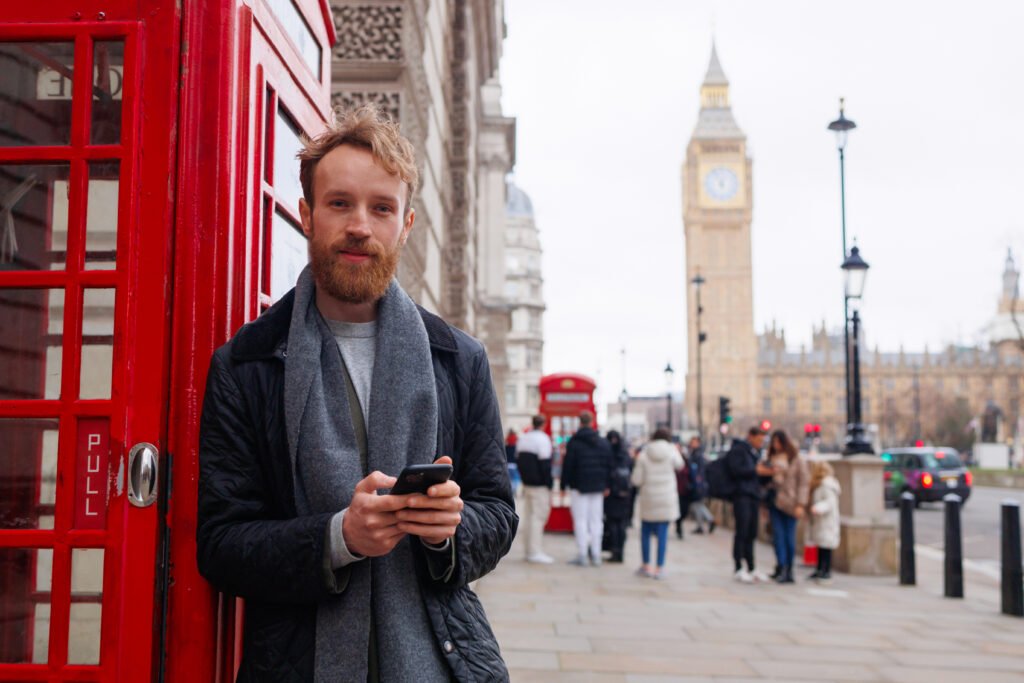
point(799, 512)
point(764, 470)
point(434, 517)
point(370, 525)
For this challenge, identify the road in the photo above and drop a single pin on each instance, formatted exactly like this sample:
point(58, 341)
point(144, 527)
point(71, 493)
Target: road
point(979, 521)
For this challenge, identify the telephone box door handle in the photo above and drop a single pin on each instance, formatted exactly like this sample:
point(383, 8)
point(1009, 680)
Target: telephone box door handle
point(142, 475)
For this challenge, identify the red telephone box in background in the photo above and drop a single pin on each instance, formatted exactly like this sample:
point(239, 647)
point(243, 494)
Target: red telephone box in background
point(563, 397)
point(148, 207)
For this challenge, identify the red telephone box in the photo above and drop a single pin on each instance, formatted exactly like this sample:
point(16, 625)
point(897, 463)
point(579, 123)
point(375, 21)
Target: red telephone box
point(148, 208)
point(563, 397)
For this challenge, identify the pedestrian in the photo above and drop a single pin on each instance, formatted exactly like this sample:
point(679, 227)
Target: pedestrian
point(698, 465)
point(825, 492)
point(510, 458)
point(683, 492)
point(791, 484)
point(617, 506)
point(586, 472)
point(308, 413)
point(533, 456)
point(745, 467)
point(654, 475)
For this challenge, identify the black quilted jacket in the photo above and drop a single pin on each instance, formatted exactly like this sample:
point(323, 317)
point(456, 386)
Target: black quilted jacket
point(252, 543)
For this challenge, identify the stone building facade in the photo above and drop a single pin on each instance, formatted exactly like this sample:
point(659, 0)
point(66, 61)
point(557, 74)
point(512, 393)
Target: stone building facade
point(933, 396)
point(524, 291)
point(433, 66)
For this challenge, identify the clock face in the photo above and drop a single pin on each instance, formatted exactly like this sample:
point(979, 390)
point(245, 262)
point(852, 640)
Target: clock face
point(721, 184)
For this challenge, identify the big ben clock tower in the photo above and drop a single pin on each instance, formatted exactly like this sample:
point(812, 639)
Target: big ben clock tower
point(717, 209)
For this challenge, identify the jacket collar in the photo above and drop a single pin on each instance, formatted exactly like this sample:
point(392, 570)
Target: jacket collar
point(267, 336)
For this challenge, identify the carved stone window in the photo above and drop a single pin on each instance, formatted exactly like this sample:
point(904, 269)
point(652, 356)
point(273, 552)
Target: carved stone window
point(369, 32)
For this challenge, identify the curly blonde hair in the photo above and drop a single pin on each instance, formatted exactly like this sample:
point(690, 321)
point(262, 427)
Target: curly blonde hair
point(366, 127)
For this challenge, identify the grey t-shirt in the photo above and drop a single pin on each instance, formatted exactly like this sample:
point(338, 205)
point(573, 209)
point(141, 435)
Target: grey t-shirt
point(358, 345)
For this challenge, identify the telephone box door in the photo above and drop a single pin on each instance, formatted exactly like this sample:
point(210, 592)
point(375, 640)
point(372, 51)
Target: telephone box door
point(87, 117)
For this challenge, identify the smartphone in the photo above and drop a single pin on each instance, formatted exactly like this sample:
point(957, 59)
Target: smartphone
point(419, 478)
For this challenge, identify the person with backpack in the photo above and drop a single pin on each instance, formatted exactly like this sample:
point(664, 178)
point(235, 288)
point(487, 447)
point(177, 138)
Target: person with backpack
point(533, 455)
point(618, 504)
point(743, 462)
point(699, 487)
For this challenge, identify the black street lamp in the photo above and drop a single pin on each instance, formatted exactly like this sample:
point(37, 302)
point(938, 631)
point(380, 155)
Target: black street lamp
point(669, 372)
point(855, 270)
point(623, 399)
point(701, 338)
point(841, 127)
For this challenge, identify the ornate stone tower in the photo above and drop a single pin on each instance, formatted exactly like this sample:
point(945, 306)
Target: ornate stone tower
point(717, 210)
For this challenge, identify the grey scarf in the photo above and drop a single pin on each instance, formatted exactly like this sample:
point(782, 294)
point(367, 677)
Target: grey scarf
point(326, 466)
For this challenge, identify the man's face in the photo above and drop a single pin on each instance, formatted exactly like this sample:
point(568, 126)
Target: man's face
point(356, 227)
point(694, 444)
point(757, 441)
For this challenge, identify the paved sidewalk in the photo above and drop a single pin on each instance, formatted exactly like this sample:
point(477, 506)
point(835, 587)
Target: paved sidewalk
point(565, 623)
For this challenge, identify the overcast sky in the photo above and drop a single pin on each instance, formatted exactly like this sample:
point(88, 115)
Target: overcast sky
point(606, 95)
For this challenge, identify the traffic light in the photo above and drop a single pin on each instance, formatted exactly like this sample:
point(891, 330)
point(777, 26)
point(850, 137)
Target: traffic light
point(724, 411)
point(766, 425)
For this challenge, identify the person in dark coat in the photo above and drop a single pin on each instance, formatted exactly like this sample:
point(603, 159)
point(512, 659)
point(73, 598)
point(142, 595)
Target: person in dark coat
point(698, 465)
point(586, 472)
point(618, 504)
point(340, 582)
point(745, 468)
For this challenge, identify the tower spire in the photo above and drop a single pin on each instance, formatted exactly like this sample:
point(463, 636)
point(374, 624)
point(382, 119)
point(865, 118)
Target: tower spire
point(714, 91)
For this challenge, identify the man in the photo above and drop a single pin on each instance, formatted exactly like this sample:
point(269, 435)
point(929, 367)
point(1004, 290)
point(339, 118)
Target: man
point(533, 456)
point(587, 473)
point(699, 486)
point(313, 408)
point(745, 467)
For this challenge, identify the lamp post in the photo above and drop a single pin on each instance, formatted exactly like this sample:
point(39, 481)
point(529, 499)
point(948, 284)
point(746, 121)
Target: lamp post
point(855, 271)
point(669, 372)
point(701, 338)
point(841, 127)
point(623, 399)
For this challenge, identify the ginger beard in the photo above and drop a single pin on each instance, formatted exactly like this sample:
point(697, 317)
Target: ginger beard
point(354, 283)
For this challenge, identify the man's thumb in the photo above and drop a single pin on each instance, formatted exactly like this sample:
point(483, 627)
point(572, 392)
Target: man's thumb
point(375, 480)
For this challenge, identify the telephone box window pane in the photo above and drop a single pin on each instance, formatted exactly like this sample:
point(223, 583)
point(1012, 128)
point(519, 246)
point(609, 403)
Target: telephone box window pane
point(86, 606)
point(297, 29)
point(31, 332)
point(97, 343)
point(24, 629)
point(289, 254)
point(28, 472)
point(107, 84)
point(33, 216)
point(35, 79)
point(101, 216)
point(286, 166)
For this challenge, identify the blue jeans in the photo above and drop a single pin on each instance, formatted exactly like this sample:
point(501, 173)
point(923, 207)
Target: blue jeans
point(783, 537)
point(648, 529)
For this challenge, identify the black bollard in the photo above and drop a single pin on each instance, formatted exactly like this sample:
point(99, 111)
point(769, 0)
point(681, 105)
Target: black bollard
point(1013, 575)
point(954, 548)
point(908, 570)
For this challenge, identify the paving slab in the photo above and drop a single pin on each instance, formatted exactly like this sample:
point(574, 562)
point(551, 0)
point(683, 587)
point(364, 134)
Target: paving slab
point(565, 623)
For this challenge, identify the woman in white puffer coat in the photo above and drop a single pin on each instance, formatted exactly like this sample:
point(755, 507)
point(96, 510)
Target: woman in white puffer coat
point(655, 475)
point(825, 492)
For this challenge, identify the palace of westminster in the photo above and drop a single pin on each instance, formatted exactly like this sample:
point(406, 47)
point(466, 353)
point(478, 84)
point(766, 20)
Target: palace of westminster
point(905, 395)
